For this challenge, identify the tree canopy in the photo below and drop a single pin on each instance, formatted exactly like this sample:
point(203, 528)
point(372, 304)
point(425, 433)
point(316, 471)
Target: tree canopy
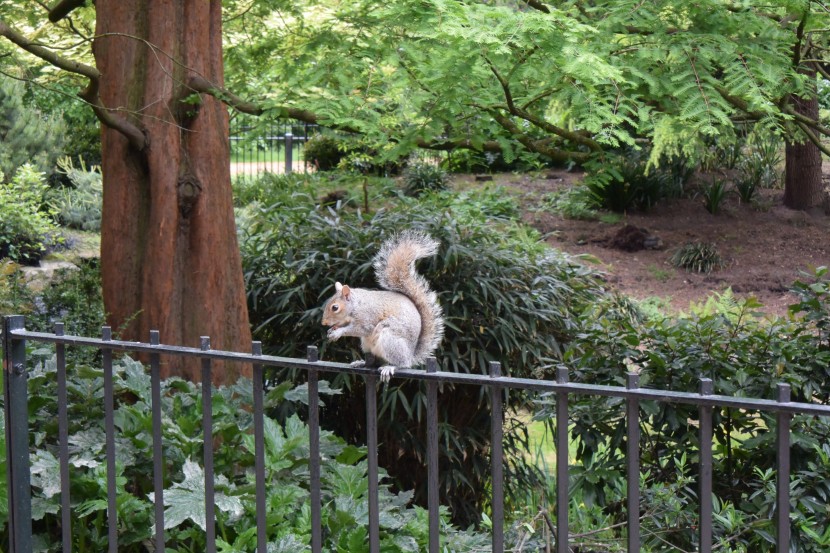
point(565, 80)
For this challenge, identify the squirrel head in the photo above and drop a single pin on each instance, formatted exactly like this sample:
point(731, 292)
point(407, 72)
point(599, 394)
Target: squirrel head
point(336, 309)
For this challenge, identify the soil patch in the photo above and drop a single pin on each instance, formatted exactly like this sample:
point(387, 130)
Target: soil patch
point(763, 248)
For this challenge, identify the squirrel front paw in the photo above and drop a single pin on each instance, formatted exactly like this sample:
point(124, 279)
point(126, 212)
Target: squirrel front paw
point(386, 373)
point(358, 363)
point(334, 333)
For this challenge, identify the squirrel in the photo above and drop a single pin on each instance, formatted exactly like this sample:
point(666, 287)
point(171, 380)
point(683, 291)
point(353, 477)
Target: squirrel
point(401, 324)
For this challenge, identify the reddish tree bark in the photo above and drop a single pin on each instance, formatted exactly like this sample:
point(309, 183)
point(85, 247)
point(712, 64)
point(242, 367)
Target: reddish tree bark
point(169, 253)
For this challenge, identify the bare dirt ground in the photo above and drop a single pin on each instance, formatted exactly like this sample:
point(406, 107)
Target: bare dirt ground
point(763, 249)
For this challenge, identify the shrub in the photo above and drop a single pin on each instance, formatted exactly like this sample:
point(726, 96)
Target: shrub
point(269, 188)
point(420, 177)
point(714, 194)
point(73, 297)
point(625, 182)
point(744, 354)
point(343, 471)
point(79, 207)
point(506, 297)
point(16, 298)
point(576, 202)
point(25, 230)
point(697, 257)
point(26, 137)
point(324, 151)
point(759, 168)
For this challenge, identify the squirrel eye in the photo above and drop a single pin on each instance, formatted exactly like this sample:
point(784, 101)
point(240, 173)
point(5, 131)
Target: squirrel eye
point(335, 308)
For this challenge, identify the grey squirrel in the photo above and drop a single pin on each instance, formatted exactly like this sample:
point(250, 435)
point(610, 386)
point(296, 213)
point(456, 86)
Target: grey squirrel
point(401, 324)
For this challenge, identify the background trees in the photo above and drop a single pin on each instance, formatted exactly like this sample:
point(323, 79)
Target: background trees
point(567, 82)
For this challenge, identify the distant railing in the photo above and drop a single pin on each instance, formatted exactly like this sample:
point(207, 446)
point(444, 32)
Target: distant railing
point(273, 146)
point(17, 437)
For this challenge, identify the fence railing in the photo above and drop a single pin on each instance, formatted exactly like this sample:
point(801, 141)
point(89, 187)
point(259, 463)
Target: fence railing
point(274, 147)
point(14, 341)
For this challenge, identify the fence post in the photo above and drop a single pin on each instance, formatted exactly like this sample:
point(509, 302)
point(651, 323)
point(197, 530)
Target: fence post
point(432, 459)
point(18, 477)
point(632, 415)
point(562, 451)
point(289, 151)
point(782, 485)
point(497, 458)
point(705, 476)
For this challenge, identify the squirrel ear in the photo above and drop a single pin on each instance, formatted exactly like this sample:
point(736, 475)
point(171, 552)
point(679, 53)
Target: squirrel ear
point(337, 286)
point(346, 291)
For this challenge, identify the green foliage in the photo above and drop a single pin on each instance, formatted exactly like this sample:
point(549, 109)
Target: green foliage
point(759, 167)
point(25, 229)
point(79, 207)
point(16, 298)
point(745, 355)
point(714, 194)
point(26, 137)
point(576, 202)
point(506, 297)
point(420, 177)
point(697, 257)
point(560, 82)
point(625, 182)
point(344, 477)
point(324, 151)
point(269, 188)
point(814, 303)
point(74, 298)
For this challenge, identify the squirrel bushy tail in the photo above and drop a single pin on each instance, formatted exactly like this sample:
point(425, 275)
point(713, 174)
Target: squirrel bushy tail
point(395, 270)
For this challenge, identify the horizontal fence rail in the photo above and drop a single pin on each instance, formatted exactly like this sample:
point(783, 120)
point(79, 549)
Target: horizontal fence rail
point(17, 438)
point(273, 147)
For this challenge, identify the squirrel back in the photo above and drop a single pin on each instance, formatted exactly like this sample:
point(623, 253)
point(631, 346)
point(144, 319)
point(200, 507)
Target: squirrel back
point(395, 270)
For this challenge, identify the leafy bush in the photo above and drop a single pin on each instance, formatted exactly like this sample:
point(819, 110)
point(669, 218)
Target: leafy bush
point(269, 188)
point(714, 194)
point(26, 137)
point(697, 257)
point(626, 182)
point(25, 230)
point(343, 480)
point(759, 168)
point(576, 202)
point(73, 297)
point(420, 177)
point(745, 355)
point(324, 151)
point(16, 298)
point(79, 207)
point(505, 296)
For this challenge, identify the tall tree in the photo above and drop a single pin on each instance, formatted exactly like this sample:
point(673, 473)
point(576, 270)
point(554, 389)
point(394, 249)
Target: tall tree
point(169, 254)
point(566, 80)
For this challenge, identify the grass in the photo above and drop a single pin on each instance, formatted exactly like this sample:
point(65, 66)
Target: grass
point(659, 273)
point(252, 154)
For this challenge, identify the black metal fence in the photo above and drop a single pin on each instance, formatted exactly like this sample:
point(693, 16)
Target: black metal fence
point(15, 337)
point(274, 146)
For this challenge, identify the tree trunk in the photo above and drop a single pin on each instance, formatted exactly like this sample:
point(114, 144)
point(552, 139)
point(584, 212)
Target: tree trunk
point(169, 253)
point(803, 188)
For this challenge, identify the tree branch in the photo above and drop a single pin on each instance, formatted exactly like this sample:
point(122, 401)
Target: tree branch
point(813, 138)
point(538, 146)
point(802, 119)
point(537, 5)
point(199, 84)
point(134, 134)
point(537, 121)
point(63, 8)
